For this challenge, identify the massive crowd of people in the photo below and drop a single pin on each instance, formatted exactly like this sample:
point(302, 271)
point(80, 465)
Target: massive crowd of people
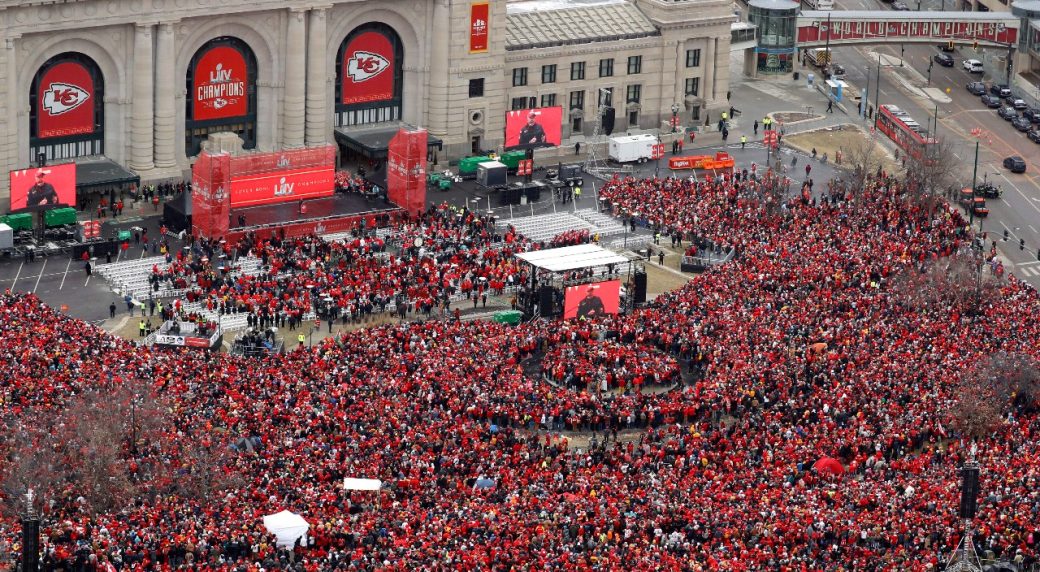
point(809, 344)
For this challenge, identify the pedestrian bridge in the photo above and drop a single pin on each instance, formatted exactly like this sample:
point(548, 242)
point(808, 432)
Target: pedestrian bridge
point(843, 27)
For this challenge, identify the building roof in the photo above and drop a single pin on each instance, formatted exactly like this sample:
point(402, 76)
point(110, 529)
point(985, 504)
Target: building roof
point(547, 23)
point(571, 257)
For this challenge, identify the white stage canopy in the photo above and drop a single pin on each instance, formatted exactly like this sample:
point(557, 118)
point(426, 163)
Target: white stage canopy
point(572, 257)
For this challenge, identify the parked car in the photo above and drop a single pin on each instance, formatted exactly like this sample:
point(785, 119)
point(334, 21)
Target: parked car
point(1007, 113)
point(1022, 124)
point(1015, 164)
point(1031, 113)
point(900, 6)
point(992, 101)
point(947, 47)
point(1019, 103)
point(976, 88)
point(1034, 136)
point(834, 71)
point(945, 60)
point(989, 190)
point(999, 89)
point(972, 66)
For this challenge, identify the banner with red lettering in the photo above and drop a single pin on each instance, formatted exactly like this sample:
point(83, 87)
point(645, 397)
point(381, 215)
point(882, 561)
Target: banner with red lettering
point(210, 180)
point(65, 101)
point(220, 88)
point(406, 170)
point(368, 69)
point(324, 226)
point(282, 186)
point(479, 13)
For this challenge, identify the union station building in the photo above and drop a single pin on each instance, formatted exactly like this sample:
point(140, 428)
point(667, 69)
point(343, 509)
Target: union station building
point(143, 84)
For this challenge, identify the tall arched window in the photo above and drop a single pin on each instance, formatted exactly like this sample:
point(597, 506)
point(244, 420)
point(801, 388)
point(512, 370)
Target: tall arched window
point(369, 76)
point(67, 111)
point(221, 87)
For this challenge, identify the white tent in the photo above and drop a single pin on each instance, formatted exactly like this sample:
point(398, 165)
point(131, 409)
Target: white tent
point(287, 527)
point(352, 484)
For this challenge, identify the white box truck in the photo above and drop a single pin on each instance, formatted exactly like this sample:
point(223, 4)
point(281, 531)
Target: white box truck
point(632, 148)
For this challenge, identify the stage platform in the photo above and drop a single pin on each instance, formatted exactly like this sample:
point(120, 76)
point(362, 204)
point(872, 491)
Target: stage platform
point(325, 215)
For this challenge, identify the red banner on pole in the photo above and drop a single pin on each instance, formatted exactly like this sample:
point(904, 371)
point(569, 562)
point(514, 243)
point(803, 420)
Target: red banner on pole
point(368, 69)
point(479, 12)
point(220, 84)
point(657, 152)
point(406, 170)
point(65, 101)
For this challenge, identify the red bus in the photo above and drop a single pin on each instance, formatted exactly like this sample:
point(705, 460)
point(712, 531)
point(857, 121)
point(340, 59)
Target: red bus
point(910, 135)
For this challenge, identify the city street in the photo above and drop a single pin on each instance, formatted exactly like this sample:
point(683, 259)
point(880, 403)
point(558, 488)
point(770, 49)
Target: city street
point(959, 114)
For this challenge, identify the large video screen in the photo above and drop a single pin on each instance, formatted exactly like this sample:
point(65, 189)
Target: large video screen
point(50, 186)
point(534, 128)
point(592, 300)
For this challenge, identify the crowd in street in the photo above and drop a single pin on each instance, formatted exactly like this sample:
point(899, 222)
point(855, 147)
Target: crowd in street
point(807, 345)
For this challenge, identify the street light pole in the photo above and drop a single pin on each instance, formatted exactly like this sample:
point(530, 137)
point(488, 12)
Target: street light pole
point(675, 115)
point(974, 177)
point(877, 91)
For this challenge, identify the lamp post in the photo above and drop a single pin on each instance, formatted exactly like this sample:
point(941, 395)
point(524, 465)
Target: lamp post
point(877, 91)
point(929, 84)
point(30, 535)
point(675, 117)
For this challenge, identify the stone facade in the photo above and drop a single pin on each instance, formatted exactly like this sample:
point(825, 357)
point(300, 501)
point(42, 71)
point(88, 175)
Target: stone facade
point(143, 49)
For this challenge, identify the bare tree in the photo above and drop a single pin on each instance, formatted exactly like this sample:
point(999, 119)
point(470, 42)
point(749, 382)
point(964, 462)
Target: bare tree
point(931, 172)
point(985, 392)
point(962, 280)
point(864, 158)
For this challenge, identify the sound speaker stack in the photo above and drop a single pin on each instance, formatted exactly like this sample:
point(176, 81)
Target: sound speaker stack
point(640, 287)
point(545, 301)
point(969, 491)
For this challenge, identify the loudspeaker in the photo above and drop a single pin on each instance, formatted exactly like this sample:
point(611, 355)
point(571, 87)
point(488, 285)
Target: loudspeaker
point(640, 287)
point(30, 544)
point(608, 120)
point(969, 491)
point(545, 301)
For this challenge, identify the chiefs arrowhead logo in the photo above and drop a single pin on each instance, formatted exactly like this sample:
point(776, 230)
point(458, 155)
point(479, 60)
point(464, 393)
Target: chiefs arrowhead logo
point(366, 65)
point(64, 97)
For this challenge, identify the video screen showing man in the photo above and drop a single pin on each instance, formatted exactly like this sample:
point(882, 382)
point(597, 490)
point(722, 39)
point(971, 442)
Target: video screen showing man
point(591, 306)
point(42, 193)
point(43, 188)
point(533, 128)
point(590, 301)
point(532, 134)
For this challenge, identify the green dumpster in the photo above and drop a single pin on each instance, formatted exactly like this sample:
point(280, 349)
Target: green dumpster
point(434, 178)
point(444, 185)
point(124, 235)
point(511, 159)
point(20, 221)
point(58, 217)
point(468, 165)
point(511, 317)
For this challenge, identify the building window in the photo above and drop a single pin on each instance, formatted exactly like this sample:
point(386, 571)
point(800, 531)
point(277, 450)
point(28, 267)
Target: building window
point(577, 100)
point(634, 93)
point(549, 100)
point(476, 87)
point(606, 97)
point(635, 65)
point(633, 118)
point(693, 85)
point(606, 68)
point(519, 103)
point(693, 58)
point(519, 77)
point(576, 125)
point(577, 71)
point(549, 74)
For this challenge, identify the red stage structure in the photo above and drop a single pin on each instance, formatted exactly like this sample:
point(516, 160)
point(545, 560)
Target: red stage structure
point(221, 183)
point(406, 170)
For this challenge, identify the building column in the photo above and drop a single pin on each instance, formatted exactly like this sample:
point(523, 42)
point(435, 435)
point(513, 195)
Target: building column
point(141, 111)
point(438, 103)
point(715, 70)
point(293, 100)
point(165, 133)
point(709, 73)
point(318, 115)
point(9, 108)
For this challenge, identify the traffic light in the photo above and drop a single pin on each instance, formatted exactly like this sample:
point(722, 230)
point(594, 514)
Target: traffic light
point(950, 45)
point(975, 44)
point(1005, 235)
point(1021, 244)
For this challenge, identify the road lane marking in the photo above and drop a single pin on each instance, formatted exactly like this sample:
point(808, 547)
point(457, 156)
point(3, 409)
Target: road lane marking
point(42, 268)
point(1019, 191)
point(64, 276)
point(1032, 228)
point(17, 274)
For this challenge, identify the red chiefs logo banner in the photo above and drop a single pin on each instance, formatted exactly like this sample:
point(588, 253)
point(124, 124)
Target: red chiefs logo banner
point(368, 69)
point(65, 101)
point(220, 85)
point(478, 27)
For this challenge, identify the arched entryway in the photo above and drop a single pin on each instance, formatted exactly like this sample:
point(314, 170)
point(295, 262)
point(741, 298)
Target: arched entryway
point(221, 87)
point(369, 76)
point(67, 109)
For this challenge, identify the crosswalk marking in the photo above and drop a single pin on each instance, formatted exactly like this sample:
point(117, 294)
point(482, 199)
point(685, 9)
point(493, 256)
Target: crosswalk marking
point(1030, 271)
